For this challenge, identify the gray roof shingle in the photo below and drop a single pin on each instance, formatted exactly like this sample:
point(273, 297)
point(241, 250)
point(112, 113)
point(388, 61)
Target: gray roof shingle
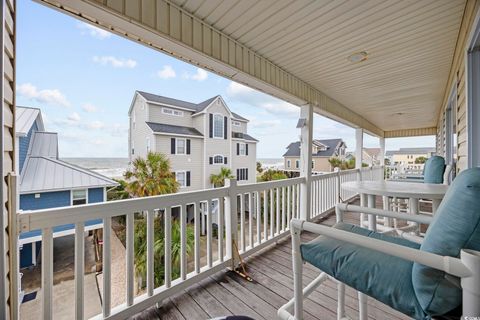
point(175, 130)
point(293, 149)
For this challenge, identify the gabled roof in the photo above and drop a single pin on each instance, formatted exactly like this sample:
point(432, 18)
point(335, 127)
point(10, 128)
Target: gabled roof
point(424, 150)
point(293, 149)
point(44, 172)
point(196, 108)
point(175, 130)
point(24, 119)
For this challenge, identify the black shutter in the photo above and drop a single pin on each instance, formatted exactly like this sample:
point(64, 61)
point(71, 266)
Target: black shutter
point(210, 125)
point(246, 174)
point(225, 124)
point(188, 146)
point(238, 149)
point(246, 149)
point(188, 178)
point(238, 174)
point(172, 146)
point(225, 160)
point(211, 160)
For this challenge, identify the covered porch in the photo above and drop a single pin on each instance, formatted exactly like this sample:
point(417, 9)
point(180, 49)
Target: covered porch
point(389, 69)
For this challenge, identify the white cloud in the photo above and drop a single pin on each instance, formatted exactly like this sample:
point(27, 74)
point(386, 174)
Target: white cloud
point(200, 75)
point(96, 125)
point(166, 72)
point(115, 62)
point(261, 100)
point(90, 108)
point(49, 96)
point(75, 117)
point(94, 31)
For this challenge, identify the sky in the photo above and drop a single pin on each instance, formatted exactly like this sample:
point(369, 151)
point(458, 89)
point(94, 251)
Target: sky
point(84, 78)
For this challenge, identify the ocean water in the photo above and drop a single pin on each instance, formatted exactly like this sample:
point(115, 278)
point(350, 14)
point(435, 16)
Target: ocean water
point(115, 167)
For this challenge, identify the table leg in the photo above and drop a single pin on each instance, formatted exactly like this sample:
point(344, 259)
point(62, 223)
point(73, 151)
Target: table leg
point(386, 206)
point(372, 219)
point(413, 209)
point(435, 204)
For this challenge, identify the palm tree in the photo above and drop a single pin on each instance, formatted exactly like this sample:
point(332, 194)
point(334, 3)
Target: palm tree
point(151, 176)
point(218, 180)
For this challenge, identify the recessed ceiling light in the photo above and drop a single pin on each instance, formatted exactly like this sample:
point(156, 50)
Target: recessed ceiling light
point(399, 113)
point(358, 56)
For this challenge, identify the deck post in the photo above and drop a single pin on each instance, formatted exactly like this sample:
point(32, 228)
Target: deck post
point(305, 124)
point(231, 218)
point(358, 148)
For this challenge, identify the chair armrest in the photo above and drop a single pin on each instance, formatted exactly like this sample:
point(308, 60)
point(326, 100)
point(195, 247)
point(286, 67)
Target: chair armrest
point(450, 265)
point(342, 207)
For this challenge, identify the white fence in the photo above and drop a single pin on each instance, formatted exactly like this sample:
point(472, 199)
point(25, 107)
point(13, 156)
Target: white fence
point(263, 212)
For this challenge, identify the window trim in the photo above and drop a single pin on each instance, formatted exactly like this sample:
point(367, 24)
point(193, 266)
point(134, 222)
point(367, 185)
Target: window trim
point(289, 163)
point(219, 163)
point(149, 146)
point(297, 164)
point(184, 146)
point(244, 149)
point(222, 117)
point(184, 179)
point(167, 110)
point(78, 189)
point(244, 176)
point(472, 96)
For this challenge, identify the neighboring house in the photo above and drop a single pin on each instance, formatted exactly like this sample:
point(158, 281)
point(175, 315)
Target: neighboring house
point(48, 182)
point(405, 157)
point(323, 150)
point(370, 156)
point(198, 138)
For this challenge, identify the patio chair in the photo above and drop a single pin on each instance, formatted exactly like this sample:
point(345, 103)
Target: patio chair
point(419, 280)
point(433, 172)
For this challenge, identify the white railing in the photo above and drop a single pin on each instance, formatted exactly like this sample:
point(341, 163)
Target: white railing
point(248, 217)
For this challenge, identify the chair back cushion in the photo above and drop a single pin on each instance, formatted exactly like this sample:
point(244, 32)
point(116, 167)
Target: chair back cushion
point(456, 226)
point(434, 169)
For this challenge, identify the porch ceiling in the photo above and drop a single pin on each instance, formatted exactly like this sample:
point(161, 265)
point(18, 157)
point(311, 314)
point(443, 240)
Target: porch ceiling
point(410, 46)
point(298, 50)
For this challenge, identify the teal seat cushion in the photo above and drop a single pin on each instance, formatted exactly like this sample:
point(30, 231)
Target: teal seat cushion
point(381, 276)
point(433, 170)
point(456, 225)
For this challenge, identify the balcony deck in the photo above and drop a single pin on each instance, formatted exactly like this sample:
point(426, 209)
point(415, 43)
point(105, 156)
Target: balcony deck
point(226, 293)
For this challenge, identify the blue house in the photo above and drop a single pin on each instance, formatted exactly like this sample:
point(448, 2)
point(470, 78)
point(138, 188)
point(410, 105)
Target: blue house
point(48, 182)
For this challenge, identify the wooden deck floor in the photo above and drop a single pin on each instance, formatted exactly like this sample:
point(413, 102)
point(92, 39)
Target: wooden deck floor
point(228, 294)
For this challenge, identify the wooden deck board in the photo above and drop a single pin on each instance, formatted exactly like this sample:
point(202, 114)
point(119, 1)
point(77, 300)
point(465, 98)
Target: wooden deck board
point(226, 293)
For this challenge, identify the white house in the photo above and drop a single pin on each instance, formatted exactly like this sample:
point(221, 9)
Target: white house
point(198, 138)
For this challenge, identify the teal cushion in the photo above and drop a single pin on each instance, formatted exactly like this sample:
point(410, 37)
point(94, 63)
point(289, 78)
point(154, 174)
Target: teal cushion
point(456, 225)
point(434, 169)
point(381, 276)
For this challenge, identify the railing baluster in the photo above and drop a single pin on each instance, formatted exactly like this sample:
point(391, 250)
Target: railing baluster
point(79, 269)
point(168, 247)
point(197, 224)
point(208, 209)
point(150, 241)
point(272, 218)
point(294, 199)
point(277, 199)
point(242, 221)
point(106, 267)
point(283, 209)
point(298, 201)
point(250, 219)
point(129, 258)
point(47, 272)
point(221, 223)
point(259, 217)
point(265, 214)
point(289, 205)
point(183, 242)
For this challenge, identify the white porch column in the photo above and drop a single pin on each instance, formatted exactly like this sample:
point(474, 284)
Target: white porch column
point(382, 151)
point(358, 148)
point(306, 125)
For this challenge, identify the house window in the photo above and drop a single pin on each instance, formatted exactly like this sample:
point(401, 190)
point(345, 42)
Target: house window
point(297, 164)
point(79, 197)
point(242, 174)
point(236, 123)
point(133, 148)
point(172, 112)
point(289, 163)
point(313, 164)
point(218, 159)
point(218, 126)
point(148, 145)
point(243, 149)
point(180, 146)
point(181, 177)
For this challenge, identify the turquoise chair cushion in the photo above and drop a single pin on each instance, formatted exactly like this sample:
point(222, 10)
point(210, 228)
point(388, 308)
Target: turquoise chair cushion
point(456, 226)
point(434, 169)
point(381, 276)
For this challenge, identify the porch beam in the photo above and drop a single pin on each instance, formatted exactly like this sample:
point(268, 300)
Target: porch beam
point(306, 147)
point(432, 131)
point(171, 29)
